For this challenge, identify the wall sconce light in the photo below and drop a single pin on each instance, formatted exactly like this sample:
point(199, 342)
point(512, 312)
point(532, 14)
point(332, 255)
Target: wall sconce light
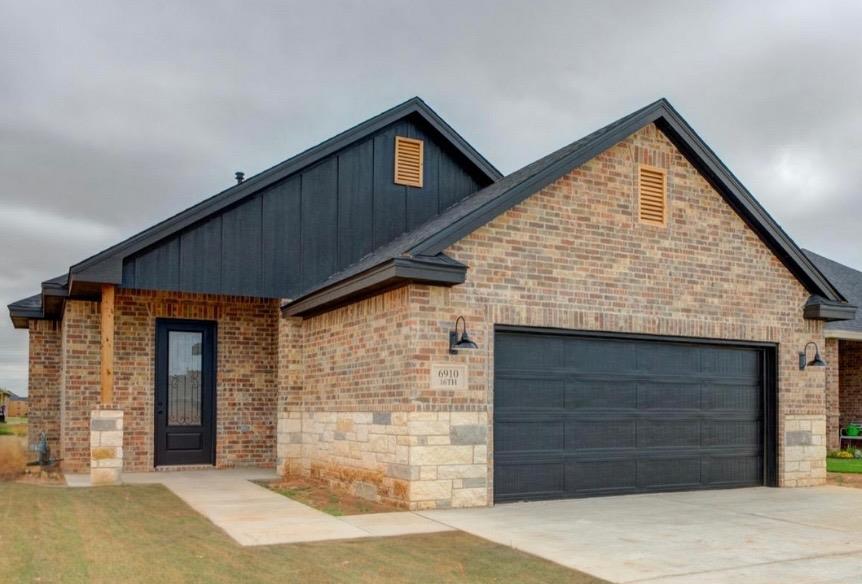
point(817, 361)
point(462, 343)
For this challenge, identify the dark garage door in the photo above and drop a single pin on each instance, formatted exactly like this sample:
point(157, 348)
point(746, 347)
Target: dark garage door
point(578, 415)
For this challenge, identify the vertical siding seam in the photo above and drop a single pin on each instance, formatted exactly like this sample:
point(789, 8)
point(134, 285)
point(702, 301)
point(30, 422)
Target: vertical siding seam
point(337, 211)
point(261, 280)
point(373, 189)
point(301, 235)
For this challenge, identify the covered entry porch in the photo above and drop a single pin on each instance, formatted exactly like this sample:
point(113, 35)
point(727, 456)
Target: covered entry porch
point(843, 391)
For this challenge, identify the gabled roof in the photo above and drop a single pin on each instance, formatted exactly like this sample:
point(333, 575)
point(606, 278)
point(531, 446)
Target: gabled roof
point(849, 282)
point(23, 310)
point(106, 266)
point(474, 211)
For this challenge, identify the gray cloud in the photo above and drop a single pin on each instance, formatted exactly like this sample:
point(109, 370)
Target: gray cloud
point(115, 115)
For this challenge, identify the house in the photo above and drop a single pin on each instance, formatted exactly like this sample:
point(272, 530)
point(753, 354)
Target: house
point(843, 354)
point(16, 406)
point(388, 313)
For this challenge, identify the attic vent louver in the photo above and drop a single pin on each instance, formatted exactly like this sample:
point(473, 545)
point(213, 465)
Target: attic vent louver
point(409, 161)
point(652, 195)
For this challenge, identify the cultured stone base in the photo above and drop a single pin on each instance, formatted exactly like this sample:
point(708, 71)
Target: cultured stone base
point(417, 460)
point(106, 447)
point(804, 451)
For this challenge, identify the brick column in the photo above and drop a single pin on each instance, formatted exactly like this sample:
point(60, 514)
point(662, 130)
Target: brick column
point(106, 447)
point(833, 403)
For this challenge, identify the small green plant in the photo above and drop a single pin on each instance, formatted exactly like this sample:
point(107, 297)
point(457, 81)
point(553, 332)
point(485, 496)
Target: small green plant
point(842, 454)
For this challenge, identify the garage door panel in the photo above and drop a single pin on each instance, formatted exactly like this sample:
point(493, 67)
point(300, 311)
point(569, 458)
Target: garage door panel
point(732, 470)
point(607, 395)
point(740, 397)
point(544, 393)
point(598, 356)
point(527, 435)
point(592, 416)
point(656, 433)
point(600, 433)
point(731, 362)
point(668, 473)
point(732, 433)
point(601, 477)
point(665, 360)
point(536, 481)
point(673, 396)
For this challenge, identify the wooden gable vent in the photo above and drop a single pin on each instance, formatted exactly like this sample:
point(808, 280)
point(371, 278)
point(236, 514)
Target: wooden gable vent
point(652, 195)
point(409, 161)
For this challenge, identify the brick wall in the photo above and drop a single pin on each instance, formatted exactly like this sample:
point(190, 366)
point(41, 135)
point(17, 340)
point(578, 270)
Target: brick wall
point(850, 381)
point(79, 386)
point(571, 256)
point(245, 383)
point(575, 256)
point(43, 388)
point(833, 402)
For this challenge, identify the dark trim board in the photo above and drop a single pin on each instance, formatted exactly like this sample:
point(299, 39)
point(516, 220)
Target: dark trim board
point(440, 270)
point(764, 352)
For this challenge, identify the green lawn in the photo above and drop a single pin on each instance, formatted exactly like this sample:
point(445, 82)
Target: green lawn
point(14, 427)
point(144, 533)
point(844, 465)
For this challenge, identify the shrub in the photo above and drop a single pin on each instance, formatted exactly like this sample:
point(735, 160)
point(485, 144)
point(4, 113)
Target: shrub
point(842, 454)
point(13, 457)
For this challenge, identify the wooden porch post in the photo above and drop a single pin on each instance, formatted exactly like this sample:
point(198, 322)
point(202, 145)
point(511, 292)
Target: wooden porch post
point(107, 358)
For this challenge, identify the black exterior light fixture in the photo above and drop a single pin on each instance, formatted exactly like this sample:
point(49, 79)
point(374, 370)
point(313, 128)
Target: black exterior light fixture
point(462, 343)
point(817, 361)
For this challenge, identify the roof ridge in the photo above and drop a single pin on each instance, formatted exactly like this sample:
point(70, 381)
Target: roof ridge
point(253, 184)
point(438, 233)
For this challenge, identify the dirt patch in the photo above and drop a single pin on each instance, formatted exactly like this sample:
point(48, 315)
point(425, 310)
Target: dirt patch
point(13, 457)
point(845, 479)
point(320, 496)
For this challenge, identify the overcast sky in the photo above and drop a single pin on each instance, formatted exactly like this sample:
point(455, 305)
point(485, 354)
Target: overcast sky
point(114, 115)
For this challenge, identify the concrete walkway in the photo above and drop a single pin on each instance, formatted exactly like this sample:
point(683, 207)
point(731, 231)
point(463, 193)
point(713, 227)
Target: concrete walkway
point(254, 515)
point(742, 535)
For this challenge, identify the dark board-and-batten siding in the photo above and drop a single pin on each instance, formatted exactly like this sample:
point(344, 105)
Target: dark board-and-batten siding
point(297, 232)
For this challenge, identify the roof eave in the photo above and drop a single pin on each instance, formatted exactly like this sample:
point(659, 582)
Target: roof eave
point(391, 274)
point(699, 154)
point(107, 265)
point(22, 315)
point(819, 308)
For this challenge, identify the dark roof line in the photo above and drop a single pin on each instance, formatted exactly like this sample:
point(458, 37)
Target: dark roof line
point(474, 211)
point(849, 281)
point(91, 270)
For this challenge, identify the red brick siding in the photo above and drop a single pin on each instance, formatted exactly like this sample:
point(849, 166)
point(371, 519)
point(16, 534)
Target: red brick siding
point(43, 385)
point(245, 383)
point(81, 346)
point(833, 402)
point(356, 358)
point(575, 256)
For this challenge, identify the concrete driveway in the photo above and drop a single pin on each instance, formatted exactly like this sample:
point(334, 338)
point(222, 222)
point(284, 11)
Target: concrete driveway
point(742, 535)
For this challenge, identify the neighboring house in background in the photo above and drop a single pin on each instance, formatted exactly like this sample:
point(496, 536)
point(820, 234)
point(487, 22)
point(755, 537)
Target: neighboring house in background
point(637, 319)
point(843, 353)
point(16, 406)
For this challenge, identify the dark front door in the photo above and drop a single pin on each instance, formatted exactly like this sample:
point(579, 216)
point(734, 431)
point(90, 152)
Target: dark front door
point(185, 392)
point(582, 415)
